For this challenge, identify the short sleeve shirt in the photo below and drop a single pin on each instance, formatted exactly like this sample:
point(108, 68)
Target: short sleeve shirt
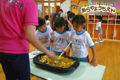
point(44, 35)
point(60, 40)
point(80, 44)
point(98, 25)
point(14, 15)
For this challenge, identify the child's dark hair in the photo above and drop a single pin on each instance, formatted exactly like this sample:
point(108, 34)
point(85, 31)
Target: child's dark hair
point(79, 19)
point(60, 10)
point(46, 17)
point(68, 12)
point(41, 22)
point(99, 17)
point(59, 22)
point(71, 15)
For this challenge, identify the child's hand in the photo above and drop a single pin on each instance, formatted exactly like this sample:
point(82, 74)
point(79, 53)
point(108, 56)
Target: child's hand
point(93, 63)
point(65, 51)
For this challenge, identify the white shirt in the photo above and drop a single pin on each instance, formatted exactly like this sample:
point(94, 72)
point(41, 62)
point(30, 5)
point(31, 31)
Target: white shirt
point(47, 22)
point(50, 29)
point(44, 35)
point(63, 15)
point(48, 25)
point(60, 40)
point(70, 30)
point(98, 25)
point(80, 44)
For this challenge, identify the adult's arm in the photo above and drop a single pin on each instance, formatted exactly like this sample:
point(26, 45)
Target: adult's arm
point(31, 37)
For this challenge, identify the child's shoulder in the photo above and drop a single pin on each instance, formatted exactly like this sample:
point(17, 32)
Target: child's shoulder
point(48, 27)
point(55, 33)
point(84, 33)
point(87, 34)
point(67, 32)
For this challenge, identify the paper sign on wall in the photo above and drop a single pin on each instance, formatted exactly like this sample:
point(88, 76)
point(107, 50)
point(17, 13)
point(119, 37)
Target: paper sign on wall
point(98, 7)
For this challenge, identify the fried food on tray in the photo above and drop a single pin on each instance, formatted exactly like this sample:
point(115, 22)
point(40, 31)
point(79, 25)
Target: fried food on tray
point(63, 63)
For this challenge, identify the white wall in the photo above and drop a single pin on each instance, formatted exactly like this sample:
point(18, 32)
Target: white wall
point(66, 5)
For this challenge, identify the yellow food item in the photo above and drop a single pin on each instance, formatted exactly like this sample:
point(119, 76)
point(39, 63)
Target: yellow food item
point(63, 63)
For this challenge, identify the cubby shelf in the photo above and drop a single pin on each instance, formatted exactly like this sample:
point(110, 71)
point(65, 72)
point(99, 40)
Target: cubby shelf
point(110, 26)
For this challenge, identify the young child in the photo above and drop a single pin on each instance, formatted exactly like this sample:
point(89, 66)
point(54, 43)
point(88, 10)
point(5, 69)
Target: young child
point(60, 36)
point(69, 25)
point(70, 17)
point(81, 41)
point(43, 33)
point(48, 22)
point(68, 12)
point(99, 29)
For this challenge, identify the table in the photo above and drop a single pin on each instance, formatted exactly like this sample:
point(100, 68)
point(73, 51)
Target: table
point(84, 72)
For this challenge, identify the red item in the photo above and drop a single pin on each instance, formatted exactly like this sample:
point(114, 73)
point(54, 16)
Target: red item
point(88, 58)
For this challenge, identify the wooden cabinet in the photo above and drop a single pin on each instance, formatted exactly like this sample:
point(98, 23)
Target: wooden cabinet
point(110, 26)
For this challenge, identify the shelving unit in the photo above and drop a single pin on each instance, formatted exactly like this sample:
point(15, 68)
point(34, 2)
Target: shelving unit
point(110, 26)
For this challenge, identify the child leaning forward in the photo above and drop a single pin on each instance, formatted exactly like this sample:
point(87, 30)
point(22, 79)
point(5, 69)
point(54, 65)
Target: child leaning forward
point(60, 36)
point(81, 41)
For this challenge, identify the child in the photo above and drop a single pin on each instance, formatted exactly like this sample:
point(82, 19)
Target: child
point(81, 41)
point(48, 22)
point(60, 36)
point(68, 22)
point(43, 33)
point(68, 12)
point(99, 29)
point(70, 17)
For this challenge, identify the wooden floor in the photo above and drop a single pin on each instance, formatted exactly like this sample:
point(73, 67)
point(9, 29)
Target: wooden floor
point(108, 54)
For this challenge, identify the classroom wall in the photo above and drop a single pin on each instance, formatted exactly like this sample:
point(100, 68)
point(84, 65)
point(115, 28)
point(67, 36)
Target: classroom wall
point(78, 10)
point(66, 6)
